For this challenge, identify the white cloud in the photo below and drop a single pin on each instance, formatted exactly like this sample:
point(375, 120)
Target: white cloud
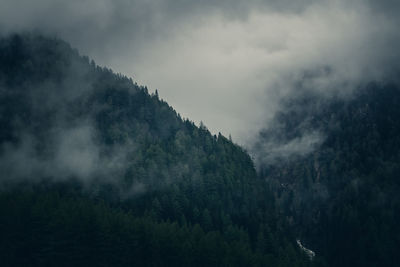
point(231, 73)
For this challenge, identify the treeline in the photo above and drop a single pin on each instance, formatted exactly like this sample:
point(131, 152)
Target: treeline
point(117, 178)
point(49, 229)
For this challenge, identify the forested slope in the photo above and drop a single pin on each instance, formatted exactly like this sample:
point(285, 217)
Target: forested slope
point(95, 171)
point(342, 194)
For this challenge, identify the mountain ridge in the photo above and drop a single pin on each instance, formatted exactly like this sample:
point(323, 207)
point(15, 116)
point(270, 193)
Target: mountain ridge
point(80, 143)
point(97, 171)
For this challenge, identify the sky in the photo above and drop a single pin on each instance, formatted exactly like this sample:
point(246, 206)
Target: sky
point(226, 63)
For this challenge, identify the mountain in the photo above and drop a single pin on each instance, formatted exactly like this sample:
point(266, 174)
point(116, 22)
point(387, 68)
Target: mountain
point(95, 171)
point(334, 165)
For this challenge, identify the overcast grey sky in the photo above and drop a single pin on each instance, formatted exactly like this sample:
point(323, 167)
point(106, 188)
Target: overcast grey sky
point(226, 62)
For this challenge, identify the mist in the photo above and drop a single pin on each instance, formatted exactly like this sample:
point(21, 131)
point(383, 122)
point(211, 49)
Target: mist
point(49, 126)
point(226, 63)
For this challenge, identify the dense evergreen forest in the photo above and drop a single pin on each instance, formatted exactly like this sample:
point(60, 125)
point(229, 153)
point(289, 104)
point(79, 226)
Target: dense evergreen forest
point(95, 171)
point(343, 197)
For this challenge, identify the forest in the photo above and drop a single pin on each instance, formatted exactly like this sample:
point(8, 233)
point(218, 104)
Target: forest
point(97, 171)
point(343, 198)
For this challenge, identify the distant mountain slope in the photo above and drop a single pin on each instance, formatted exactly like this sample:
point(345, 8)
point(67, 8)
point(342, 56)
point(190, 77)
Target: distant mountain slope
point(335, 171)
point(96, 171)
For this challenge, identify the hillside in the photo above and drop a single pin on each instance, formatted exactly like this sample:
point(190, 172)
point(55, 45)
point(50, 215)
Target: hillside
point(334, 169)
point(98, 172)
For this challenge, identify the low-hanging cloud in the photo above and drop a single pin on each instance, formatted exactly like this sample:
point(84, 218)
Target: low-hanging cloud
point(226, 63)
point(274, 150)
point(74, 155)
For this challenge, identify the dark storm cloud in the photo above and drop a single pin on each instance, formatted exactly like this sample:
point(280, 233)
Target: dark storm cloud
point(386, 7)
point(100, 25)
